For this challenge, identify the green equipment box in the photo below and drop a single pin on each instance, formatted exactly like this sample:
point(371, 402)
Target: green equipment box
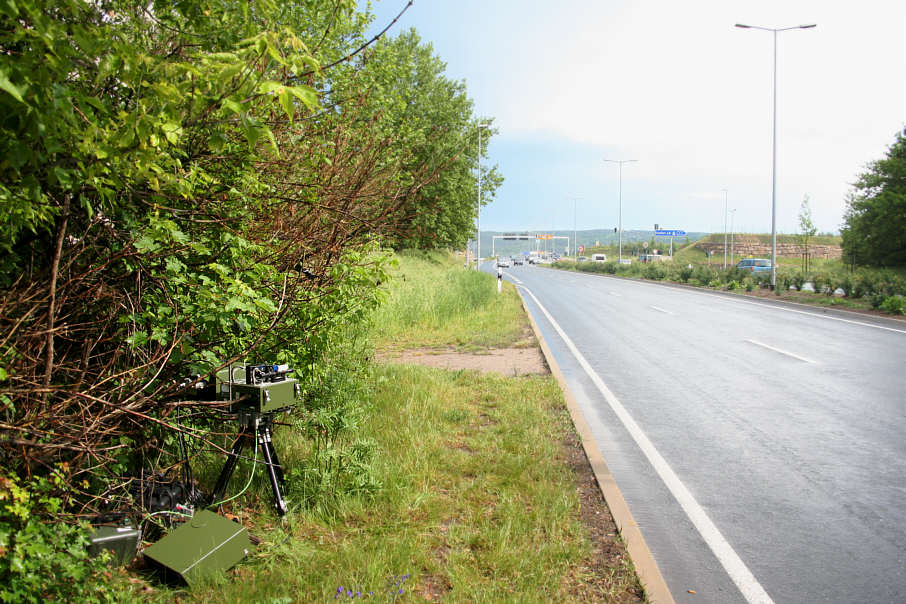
point(262, 397)
point(206, 544)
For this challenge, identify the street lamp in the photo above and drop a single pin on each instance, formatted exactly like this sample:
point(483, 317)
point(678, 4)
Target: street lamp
point(725, 228)
point(774, 153)
point(478, 251)
point(621, 162)
point(575, 239)
point(732, 233)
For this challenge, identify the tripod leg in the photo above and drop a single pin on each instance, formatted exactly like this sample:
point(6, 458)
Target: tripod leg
point(274, 469)
point(229, 467)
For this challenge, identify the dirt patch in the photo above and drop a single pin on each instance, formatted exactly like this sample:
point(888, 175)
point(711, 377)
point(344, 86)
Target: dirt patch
point(505, 361)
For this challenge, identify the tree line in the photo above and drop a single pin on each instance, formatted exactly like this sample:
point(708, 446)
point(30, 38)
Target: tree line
point(187, 184)
point(874, 224)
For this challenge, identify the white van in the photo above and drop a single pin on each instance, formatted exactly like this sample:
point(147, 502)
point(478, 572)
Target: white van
point(599, 257)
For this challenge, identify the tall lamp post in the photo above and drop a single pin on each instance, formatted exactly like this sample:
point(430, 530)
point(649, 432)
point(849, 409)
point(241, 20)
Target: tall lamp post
point(620, 226)
point(774, 152)
point(575, 239)
point(725, 228)
point(478, 251)
point(732, 233)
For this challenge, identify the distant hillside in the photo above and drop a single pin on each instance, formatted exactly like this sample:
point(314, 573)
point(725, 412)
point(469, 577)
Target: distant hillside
point(765, 238)
point(588, 238)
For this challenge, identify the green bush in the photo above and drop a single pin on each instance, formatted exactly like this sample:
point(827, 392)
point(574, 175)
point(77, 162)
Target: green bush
point(40, 560)
point(655, 271)
point(895, 305)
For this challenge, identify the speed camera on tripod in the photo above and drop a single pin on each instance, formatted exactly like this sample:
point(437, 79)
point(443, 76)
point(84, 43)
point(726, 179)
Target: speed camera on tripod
point(263, 388)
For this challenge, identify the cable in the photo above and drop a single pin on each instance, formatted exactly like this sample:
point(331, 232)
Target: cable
point(247, 485)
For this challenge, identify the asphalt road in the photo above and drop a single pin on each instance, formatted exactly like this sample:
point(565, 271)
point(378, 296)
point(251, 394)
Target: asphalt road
point(764, 454)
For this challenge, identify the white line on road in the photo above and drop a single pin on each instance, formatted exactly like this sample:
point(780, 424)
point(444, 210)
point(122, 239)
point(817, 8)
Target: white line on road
point(737, 570)
point(789, 354)
point(513, 278)
point(659, 309)
point(615, 294)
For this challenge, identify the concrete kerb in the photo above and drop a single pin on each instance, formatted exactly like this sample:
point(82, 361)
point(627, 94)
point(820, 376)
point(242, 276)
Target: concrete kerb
point(646, 568)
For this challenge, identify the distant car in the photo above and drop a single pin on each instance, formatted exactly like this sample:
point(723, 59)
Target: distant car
point(599, 257)
point(754, 265)
point(503, 262)
point(518, 261)
point(581, 259)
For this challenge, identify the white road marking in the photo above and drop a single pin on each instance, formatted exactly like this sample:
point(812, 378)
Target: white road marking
point(659, 309)
point(615, 294)
point(737, 570)
point(789, 354)
point(513, 278)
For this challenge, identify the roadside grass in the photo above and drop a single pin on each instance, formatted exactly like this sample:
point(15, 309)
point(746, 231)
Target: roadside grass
point(476, 505)
point(475, 500)
point(435, 302)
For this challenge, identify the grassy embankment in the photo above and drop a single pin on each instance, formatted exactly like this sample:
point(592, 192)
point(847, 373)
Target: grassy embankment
point(477, 502)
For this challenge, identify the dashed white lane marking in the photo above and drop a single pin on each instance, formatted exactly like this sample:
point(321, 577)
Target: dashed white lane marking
point(737, 570)
point(789, 354)
point(659, 309)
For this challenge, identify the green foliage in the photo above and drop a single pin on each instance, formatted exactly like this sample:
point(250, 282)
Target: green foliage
point(42, 561)
point(336, 463)
point(874, 229)
point(185, 185)
point(807, 228)
point(895, 305)
point(429, 118)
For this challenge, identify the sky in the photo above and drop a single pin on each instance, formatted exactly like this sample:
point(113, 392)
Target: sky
point(675, 86)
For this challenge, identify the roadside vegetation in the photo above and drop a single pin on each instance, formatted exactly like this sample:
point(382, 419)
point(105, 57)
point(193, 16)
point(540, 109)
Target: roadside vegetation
point(184, 186)
point(830, 283)
point(457, 486)
point(434, 306)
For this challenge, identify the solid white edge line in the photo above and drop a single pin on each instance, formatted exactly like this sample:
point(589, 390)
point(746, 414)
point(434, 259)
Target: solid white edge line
point(789, 354)
point(751, 589)
point(659, 309)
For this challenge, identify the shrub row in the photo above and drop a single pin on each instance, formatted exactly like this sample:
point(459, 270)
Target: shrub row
point(885, 289)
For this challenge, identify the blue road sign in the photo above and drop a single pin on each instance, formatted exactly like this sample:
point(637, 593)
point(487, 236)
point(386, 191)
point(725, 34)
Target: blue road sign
point(669, 232)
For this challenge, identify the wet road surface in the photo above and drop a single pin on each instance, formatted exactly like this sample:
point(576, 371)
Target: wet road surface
point(775, 463)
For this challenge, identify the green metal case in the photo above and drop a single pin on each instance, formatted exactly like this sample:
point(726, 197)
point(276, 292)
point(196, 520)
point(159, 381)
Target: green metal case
point(263, 398)
point(206, 544)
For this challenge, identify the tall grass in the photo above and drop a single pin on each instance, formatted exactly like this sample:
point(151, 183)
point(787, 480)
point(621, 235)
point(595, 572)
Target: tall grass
point(435, 302)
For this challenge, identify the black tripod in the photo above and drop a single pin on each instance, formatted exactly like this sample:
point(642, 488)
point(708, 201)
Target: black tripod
point(255, 429)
